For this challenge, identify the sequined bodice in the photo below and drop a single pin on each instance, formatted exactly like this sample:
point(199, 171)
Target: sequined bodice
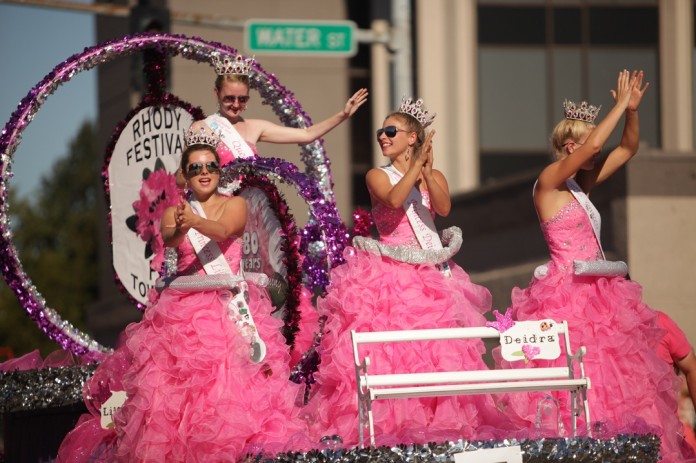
point(569, 236)
point(393, 225)
point(189, 264)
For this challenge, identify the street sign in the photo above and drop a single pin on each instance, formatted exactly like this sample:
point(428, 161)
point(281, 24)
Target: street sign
point(303, 37)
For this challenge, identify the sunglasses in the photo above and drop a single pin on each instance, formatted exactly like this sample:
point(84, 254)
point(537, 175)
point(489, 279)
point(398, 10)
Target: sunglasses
point(390, 131)
point(196, 168)
point(232, 98)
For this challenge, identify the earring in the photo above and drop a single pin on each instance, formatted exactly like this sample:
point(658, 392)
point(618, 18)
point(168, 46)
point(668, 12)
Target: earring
point(408, 153)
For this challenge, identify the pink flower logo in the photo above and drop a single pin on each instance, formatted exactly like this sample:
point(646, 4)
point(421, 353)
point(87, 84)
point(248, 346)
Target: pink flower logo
point(530, 352)
point(157, 193)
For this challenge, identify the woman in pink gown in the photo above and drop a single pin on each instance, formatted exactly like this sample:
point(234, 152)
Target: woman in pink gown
point(199, 388)
point(397, 283)
point(632, 389)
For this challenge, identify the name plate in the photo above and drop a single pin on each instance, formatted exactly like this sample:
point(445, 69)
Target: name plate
point(528, 340)
point(512, 454)
point(108, 408)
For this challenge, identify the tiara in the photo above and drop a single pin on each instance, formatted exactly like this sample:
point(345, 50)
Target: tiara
point(585, 112)
point(237, 65)
point(202, 137)
point(417, 110)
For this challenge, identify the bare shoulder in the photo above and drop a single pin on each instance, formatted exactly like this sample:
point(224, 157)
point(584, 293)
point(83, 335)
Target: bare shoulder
point(376, 176)
point(237, 203)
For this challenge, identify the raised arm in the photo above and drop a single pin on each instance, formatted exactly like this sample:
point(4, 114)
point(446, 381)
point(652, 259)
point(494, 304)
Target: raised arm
point(434, 180)
point(274, 133)
point(630, 139)
point(553, 176)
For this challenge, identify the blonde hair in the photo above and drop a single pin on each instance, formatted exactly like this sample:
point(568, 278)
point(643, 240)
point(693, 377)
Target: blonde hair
point(412, 125)
point(568, 129)
point(221, 79)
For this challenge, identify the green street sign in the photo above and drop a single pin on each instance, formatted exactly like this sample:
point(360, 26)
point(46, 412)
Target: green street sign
point(318, 38)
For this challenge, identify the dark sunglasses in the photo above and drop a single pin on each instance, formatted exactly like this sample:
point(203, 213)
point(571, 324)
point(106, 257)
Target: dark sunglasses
point(390, 131)
point(196, 168)
point(231, 99)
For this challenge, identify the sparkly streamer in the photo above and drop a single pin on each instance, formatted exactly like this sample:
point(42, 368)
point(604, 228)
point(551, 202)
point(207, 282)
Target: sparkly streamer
point(303, 372)
point(42, 388)
point(620, 449)
point(284, 105)
point(451, 240)
point(362, 222)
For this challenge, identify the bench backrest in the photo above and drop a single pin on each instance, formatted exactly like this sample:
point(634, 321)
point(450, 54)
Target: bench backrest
point(398, 379)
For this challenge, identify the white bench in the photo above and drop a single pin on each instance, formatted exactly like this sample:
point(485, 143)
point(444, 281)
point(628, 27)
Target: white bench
point(372, 387)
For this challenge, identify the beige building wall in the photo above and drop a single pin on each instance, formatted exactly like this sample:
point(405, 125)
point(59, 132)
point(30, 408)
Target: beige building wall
point(661, 226)
point(320, 84)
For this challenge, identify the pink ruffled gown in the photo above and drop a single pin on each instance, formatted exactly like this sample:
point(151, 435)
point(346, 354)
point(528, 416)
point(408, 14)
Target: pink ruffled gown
point(193, 393)
point(632, 388)
point(373, 293)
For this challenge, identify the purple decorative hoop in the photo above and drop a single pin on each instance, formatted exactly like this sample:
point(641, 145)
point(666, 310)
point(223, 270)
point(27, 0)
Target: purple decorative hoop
point(272, 92)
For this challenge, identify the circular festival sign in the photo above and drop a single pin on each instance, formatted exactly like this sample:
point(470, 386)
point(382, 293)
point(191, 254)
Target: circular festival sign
point(326, 239)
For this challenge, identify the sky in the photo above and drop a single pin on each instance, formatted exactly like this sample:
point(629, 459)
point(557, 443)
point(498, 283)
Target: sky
point(33, 41)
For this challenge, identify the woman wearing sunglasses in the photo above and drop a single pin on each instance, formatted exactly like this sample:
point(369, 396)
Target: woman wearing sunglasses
point(240, 135)
point(206, 369)
point(403, 280)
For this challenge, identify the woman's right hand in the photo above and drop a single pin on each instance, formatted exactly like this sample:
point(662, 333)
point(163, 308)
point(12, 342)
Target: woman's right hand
point(624, 88)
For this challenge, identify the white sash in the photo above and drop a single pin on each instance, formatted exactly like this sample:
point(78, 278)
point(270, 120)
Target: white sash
point(419, 217)
point(589, 208)
point(230, 137)
point(214, 263)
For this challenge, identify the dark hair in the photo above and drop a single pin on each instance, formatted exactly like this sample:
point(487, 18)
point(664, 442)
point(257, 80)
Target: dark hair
point(197, 147)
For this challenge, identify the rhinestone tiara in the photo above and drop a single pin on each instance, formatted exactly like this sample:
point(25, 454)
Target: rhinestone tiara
point(585, 112)
point(232, 65)
point(202, 137)
point(417, 110)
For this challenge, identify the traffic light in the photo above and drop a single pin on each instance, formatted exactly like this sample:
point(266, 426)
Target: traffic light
point(148, 16)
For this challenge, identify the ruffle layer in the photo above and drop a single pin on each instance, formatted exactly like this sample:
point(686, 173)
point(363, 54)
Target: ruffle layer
point(632, 389)
point(194, 395)
point(372, 293)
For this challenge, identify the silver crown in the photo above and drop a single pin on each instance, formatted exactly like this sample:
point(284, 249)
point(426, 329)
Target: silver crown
point(585, 112)
point(232, 65)
point(202, 137)
point(417, 110)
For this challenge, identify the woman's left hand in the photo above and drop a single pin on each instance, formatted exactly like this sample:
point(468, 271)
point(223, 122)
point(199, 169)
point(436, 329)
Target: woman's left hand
point(354, 102)
point(427, 153)
point(637, 91)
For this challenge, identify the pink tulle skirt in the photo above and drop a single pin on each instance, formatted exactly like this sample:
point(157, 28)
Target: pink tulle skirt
point(193, 393)
point(371, 293)
point(632, 389)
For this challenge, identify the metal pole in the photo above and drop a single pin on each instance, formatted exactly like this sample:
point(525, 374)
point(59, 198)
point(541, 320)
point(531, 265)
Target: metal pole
point(379, 91)
point(401, 45)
